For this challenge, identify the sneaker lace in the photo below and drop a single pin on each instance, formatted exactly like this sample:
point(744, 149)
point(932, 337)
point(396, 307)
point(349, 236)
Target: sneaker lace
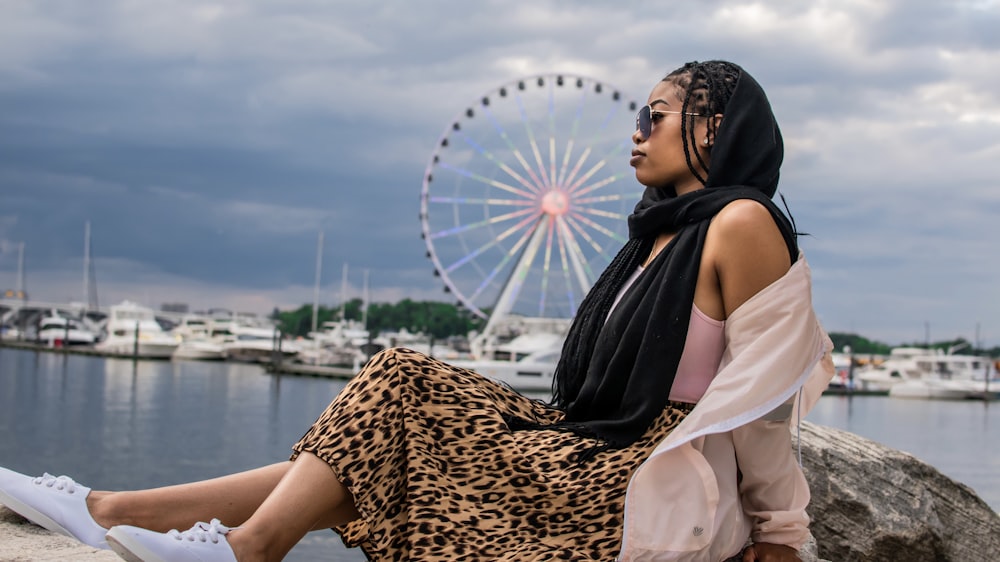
point(202, 531)
point(58, 482)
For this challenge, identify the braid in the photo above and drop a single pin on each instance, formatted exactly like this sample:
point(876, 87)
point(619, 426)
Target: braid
point(707, 87)
point(571, 370)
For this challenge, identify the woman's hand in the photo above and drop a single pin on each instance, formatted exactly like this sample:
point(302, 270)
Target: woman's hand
point(769, 552)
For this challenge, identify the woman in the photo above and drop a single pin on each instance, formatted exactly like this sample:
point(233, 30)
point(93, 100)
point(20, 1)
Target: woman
point(667, 438)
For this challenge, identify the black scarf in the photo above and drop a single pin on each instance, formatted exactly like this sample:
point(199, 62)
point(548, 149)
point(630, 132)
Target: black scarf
point(614, 378)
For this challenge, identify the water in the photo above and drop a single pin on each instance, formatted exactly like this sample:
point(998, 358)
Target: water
point(115, 424)
point(959, 438)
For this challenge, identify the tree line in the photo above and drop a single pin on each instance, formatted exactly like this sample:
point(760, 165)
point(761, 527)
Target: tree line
point(443, 320)
point(439, 319)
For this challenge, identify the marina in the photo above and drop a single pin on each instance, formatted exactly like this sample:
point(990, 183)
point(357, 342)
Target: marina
point(122, 424)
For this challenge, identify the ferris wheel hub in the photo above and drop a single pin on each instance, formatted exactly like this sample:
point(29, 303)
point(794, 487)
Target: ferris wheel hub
point(555, 202)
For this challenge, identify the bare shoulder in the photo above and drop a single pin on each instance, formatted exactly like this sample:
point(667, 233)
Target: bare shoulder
point(747, 250)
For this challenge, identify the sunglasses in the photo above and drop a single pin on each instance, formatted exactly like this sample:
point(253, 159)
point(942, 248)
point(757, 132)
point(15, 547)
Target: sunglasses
point(644, 119)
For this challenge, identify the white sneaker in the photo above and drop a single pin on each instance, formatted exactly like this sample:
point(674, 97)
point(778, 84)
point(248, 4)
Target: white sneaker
point(55, 502)
point(205, 542)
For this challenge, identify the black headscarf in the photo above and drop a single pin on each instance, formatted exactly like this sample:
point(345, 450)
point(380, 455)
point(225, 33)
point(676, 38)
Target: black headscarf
point(614, 378)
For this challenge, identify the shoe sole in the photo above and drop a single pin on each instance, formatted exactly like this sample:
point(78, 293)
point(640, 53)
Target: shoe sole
point(33, 515)
point(124, 546)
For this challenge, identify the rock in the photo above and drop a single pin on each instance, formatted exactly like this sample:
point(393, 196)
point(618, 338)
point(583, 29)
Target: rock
point(870, 502)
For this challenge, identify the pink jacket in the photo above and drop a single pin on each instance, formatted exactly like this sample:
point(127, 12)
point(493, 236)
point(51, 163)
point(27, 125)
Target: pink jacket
point(684, 501)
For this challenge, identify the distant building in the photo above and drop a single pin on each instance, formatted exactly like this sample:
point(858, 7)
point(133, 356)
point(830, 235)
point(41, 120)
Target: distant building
point(178, 307)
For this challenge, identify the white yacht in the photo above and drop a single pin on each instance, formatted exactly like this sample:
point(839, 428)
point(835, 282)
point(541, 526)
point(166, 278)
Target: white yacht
point(253, 342)
point(132, 330)
point(527, 362)
point(913, 372)
point(197, 340)
point(57, 329)
point(532, 372)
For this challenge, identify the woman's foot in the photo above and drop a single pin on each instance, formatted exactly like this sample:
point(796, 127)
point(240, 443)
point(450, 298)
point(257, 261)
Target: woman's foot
point(205, 542)
point(56, 503)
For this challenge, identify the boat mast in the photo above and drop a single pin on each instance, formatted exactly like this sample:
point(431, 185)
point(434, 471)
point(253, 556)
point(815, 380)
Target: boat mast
point(20, 272)
point(343, 294)
point(364, 303)
point(86, 264)
point(319, 272)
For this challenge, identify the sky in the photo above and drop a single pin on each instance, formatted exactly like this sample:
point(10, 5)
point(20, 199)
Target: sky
point(209, 143)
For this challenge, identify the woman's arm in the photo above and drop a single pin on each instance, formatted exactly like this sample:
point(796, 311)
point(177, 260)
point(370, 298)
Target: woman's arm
point(748, 253)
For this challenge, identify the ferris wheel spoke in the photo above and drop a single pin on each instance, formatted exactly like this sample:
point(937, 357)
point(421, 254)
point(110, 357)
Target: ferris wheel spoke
point(546, 266)
point(583, 272)
point(483, 179)
point(534, 188)
point(480, 201)
point(571, 142)
point(565, 163)
point(600, 199)
point(564, 261)
point(588, 188)
point(613, 153)
point(514, 250)
point(531, 140)
point(514, 150)
point(479, 224)
point(602, 213)
point(599, 228)
point(587, 237)
point(492, 243)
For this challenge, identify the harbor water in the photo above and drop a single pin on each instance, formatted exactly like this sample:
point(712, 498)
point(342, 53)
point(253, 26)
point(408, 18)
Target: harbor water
point(119, 424)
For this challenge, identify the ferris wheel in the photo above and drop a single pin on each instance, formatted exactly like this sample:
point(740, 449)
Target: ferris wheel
point(525, 198)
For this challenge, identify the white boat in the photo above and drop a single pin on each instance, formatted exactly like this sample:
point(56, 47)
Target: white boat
point(197, 341)
point(132, 330)
point(532, 372)
point(252, 342)
point(947, 389)
point(912, 372)
point(58, 329)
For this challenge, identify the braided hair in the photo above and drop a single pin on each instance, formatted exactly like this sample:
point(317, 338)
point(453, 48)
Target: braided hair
point(707, 87)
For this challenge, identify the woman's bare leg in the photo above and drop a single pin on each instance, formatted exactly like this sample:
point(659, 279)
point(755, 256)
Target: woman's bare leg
point(308, 497)
point(232, 499)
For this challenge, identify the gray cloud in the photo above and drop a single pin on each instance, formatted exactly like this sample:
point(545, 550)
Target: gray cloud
point(208, 144)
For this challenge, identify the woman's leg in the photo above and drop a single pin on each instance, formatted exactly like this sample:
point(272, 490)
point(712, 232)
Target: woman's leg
point(308, 497)
point(232, 499)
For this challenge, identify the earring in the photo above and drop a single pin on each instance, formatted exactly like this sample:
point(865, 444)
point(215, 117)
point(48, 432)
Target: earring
point(706, 141)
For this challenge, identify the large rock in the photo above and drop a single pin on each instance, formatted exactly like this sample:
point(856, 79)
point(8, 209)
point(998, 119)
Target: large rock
point(870, 502)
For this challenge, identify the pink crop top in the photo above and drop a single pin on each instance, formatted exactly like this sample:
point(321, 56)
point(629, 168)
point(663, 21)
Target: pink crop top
point(702, 354)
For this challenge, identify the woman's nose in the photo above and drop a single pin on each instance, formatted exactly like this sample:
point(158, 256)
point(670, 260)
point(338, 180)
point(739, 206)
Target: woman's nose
point(637, 137)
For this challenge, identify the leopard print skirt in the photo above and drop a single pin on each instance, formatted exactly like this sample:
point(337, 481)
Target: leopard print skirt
point(436, 474)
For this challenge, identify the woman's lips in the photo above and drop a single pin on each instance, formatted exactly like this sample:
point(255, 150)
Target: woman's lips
point(636, 156)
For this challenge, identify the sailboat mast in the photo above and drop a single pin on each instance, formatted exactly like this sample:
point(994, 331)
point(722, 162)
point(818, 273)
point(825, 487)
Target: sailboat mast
point(364, 303)
point(86, 264)
point(319, 273)
point(20, 272)
point(343, 294)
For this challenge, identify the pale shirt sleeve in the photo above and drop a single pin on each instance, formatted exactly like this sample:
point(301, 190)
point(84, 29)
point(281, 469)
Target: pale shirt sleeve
point(773, 489)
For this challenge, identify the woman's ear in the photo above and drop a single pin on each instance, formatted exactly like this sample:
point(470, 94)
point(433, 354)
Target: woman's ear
point(713, 130)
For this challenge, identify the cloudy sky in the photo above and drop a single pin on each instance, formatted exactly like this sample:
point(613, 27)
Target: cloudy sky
point(208, 143)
